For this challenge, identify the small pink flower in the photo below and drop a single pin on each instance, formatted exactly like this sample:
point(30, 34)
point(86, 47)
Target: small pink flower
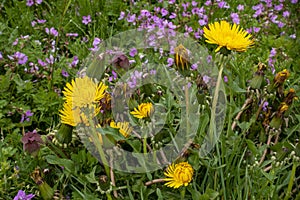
point(86, 19)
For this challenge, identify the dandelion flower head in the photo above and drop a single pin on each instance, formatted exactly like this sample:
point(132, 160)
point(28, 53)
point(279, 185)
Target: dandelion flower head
point(79, 94)
point(123, 127)
point(180, 174)
point(230, 36)
point(74, 115)
point(144, 110)
point(84, 91)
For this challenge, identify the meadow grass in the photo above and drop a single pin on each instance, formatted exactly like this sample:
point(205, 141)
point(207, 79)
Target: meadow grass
point(237, 110)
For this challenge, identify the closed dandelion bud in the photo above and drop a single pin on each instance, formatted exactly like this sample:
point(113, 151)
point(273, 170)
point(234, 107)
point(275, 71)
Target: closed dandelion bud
point(276, 122)
point(256, 81)
point(46, 191)
point(64, 134)
point(258, 78)
point(104, 183)
point(181, 58)
point(277, 119)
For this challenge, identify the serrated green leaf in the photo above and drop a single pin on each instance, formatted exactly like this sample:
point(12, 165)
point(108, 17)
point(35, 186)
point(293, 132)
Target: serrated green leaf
point(54, 160)
point(91, 176)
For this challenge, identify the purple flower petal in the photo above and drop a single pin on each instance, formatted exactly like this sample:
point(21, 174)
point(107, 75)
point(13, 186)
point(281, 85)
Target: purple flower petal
point(86, 19)
point(64, 73)
point(133, 52)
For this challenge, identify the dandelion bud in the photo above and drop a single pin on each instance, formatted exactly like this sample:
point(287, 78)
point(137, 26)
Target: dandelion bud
point(258, 78)
point(277, 119)
point(181, 58)
point(104, 182)
point(64, 134)
point(46, 191)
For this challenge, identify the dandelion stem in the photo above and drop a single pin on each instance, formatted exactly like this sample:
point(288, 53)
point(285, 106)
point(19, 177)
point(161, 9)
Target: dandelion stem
point(212, 125)
point(98, 145)
point(289, 189)
point(160, 180)
point(238, 116)
point(187, 110)
point(266, 150)
point(112, 176)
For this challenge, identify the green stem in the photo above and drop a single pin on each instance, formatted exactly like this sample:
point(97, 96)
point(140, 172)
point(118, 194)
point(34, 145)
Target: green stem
point(96, 141)
point(290, 186)
point(187, 114)
point(212, 127)
point(182, 193)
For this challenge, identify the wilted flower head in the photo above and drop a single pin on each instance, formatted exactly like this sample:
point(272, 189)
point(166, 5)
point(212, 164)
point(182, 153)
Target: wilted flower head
point(280, 77)
point(31, 141)
point(291, 95)
point(180, 174)
point(230, 36)
point(144, 110)
point(282, 108)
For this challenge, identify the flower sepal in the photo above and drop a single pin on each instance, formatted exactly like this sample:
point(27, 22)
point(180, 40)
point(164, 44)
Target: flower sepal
point(64, 134)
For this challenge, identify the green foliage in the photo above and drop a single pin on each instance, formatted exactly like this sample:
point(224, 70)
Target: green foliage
point(256, 156)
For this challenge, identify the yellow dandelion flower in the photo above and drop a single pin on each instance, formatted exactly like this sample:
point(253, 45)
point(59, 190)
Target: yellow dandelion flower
point(143, 110)
point(230, 36)
point(74, 116)
point(180, 174)
point(84, 91)
point(123, 127)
